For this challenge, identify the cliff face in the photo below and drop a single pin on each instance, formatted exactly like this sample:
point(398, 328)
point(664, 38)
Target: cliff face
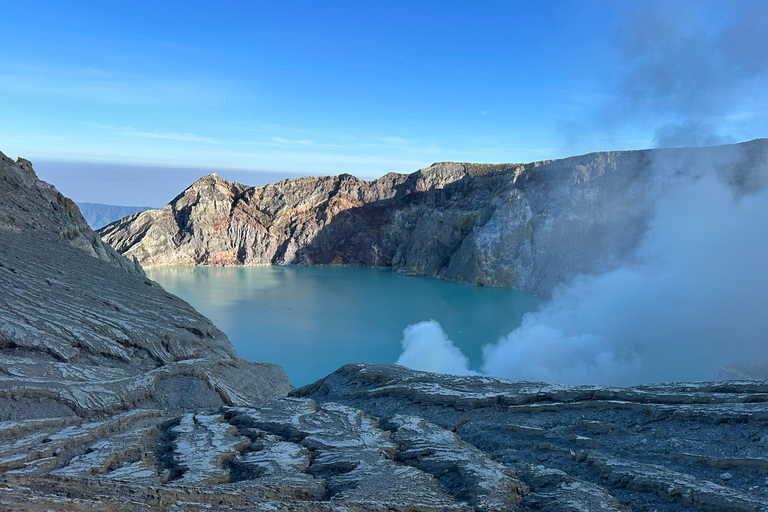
point(84, 332)
point(528, 227)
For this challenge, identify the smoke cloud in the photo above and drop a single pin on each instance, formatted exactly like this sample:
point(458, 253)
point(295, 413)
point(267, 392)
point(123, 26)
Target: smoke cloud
point(426, 347)
point(693, 300)
point(680, 68)
point(694, 296)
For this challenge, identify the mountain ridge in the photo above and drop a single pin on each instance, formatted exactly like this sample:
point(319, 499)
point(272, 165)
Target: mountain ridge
point(526, 226)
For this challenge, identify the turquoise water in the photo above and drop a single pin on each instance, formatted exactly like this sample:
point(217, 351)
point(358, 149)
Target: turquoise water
point(312, 320)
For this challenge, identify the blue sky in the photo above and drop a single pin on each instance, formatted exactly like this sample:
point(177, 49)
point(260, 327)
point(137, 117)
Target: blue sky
point(365, 87)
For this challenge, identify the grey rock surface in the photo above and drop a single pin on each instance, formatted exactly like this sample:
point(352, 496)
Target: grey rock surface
point(661, 447)
point(382, 437)
point(529, 226)
point(83, 332)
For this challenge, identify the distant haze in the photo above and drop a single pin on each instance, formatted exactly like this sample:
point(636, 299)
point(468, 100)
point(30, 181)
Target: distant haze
point(135, 185)
point(99, 215)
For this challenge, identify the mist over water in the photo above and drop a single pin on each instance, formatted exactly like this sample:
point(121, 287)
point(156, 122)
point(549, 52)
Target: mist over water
point(427, 347)
point(694, 297)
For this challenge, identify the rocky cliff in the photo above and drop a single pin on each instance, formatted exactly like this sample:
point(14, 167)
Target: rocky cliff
point(83, 332)
point(528, 227)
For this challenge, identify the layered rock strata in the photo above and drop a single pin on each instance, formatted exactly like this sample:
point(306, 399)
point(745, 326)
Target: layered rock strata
point(380, 437)
point(83, 332)
point(529, 226)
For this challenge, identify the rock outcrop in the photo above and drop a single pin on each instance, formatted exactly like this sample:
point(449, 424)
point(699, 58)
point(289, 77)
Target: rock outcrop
point(83, 332)
point(529, 227)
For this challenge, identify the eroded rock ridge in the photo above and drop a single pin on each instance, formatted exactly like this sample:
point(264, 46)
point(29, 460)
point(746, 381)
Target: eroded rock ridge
point(529, 227)
point(83, 332)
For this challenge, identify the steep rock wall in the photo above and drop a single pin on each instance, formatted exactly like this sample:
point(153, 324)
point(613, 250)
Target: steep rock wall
point(529, 227)
point(84, 332)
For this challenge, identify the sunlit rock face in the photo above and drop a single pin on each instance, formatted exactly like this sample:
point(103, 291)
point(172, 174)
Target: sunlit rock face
point(529, 226)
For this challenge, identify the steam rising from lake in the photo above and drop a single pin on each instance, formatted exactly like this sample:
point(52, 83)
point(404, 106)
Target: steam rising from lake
point(426, 346)
point(693, 299)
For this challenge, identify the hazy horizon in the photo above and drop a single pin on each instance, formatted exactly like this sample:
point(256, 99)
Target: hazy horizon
point(124, 184)
point(294, 89)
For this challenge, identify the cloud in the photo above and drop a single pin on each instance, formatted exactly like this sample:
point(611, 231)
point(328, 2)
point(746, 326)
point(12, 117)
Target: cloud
point(127, 131)
point(302, 142)
point(189, 137)
point(394, 140)
point(114, 87)
point(686, 73)
point(675, 67)
point(426, 347)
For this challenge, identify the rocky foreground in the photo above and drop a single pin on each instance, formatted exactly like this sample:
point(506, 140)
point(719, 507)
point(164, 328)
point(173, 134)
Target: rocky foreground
point(528, 227)
point(385, 438)
point(115, 395)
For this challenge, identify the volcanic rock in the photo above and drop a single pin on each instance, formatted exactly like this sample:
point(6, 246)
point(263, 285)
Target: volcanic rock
point(529, 227)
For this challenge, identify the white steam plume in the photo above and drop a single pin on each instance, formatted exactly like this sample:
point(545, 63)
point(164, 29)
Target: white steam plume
point(698, 299)
point(426, 347)
point(695, 297)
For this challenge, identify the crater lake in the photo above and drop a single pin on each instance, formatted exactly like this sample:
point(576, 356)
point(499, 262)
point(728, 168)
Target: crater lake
point(313, 320)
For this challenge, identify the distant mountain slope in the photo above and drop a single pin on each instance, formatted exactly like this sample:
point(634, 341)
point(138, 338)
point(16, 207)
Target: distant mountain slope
point(99, 215)
point(528, 226)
